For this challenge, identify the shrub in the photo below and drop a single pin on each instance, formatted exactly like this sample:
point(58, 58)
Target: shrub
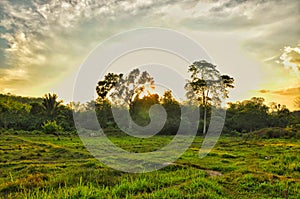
point(51, 127)
point(273, 132)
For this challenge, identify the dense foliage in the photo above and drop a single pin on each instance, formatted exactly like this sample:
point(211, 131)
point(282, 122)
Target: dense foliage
point(23, 113)
point(51, 127)
point(253, 114)
point(133, 95)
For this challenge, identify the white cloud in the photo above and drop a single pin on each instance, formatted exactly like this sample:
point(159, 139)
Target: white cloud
point(49, 40)
point(290, 58)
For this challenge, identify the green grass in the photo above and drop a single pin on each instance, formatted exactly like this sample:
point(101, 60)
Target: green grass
point(40, 166)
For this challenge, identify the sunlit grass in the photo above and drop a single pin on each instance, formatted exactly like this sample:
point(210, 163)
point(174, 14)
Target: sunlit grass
point(39, 166)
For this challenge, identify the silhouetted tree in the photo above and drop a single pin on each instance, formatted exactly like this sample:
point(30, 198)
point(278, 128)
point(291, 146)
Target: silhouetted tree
point(173, 110)
point(129, 87)
point(207, 86)
point(140, 108)
point(247, 115)
point(109, 82)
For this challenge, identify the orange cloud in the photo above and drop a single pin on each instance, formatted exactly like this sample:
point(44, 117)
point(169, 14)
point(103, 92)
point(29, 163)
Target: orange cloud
point(290, 91)
point(264, 91)
point(287, 92)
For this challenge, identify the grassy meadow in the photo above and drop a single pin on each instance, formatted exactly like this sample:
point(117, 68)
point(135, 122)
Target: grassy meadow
point(34, 165)
point(146, 74)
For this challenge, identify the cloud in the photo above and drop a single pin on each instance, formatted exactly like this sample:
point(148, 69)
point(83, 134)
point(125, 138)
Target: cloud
point(264, 26)
point(241, 14)
point(284, 92)
point(261, 27)
point(46, 40)
point(264, 91)
point(290, 58)
point(289, 91)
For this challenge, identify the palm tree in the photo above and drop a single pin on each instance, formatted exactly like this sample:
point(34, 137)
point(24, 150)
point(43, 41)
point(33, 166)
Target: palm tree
point(51, 106)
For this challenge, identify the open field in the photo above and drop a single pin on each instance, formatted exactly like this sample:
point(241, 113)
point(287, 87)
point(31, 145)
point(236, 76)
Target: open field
point(40, 166)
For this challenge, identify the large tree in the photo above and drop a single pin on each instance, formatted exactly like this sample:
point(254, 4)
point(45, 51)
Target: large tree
point(121, 90)
point(125, 91)
point(131, 86)
point(109, 82)
point(207, 86)
point(102, 104)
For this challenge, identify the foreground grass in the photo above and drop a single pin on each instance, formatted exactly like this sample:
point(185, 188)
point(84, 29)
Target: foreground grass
point(35, 166)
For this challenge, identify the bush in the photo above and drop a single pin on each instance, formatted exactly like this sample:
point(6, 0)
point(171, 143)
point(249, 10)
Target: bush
point(274, 132)
point(51, 127)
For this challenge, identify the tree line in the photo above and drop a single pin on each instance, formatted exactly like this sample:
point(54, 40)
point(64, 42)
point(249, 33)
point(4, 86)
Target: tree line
point(24, 113)
point(134, 93)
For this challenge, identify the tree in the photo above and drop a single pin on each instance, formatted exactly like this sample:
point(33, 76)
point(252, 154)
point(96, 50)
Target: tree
point(104, 114)
point(247, 115)
point(109, 82)
point(279, 115)
point(65, 118)
point(168, 99)
point(26, 113)
point(173, 110)
point(127, 89)
point(117, 90)
point(207, 86)
point(51, 106)
point(227, 82)
point(130, 86)
point(36, 108)
point(13, 113)
point(141, 106)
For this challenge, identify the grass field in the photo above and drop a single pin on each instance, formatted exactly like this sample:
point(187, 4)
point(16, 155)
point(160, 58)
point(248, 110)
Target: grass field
point(40, 166)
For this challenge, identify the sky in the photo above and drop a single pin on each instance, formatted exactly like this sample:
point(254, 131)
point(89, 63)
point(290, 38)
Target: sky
point(43, 43)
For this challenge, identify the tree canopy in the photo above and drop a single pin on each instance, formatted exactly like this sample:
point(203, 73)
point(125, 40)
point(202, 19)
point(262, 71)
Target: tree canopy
point(207, 86)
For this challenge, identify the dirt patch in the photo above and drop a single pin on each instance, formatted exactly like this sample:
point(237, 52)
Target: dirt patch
point(212, 173)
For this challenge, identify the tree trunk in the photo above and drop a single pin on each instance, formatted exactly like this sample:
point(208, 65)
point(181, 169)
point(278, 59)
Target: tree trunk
point(204, 121)
point(130, 123)
point(130, 116)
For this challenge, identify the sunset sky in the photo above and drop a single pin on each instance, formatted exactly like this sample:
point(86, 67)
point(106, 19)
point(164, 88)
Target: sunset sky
point(44, 42)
